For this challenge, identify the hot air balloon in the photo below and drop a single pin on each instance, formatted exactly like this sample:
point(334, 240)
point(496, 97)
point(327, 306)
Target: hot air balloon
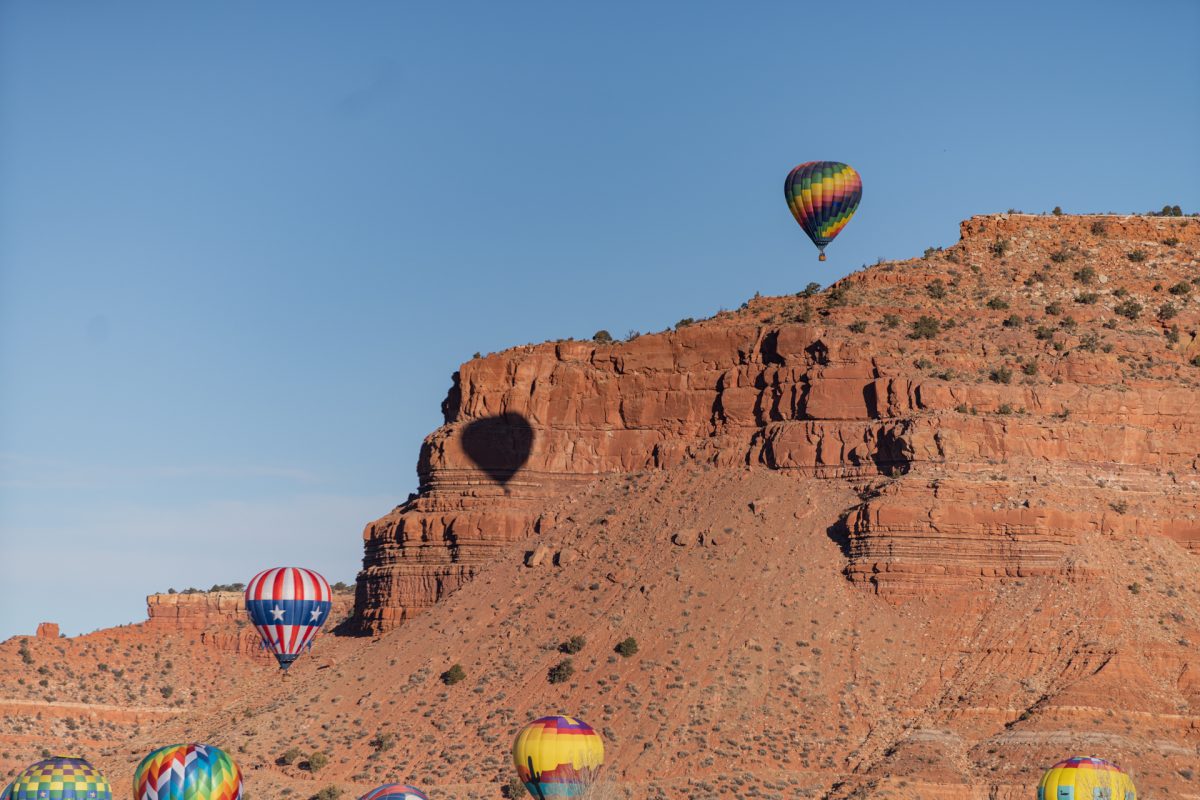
point(288, 605)
point(558, 757)
point(823, 196)
point(59, 778)
point(1085, 778)
point(395, 791)
point(187, 772)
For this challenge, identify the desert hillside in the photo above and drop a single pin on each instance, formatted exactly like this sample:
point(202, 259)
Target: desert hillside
point(919, 534)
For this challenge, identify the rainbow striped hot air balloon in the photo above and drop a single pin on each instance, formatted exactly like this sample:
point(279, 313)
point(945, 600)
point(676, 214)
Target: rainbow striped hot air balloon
point(59, 778)
point(288, 605)
point(558, 757)
point(1086, 778)
point(394, 791)
point(823, 196)
point(187, 772)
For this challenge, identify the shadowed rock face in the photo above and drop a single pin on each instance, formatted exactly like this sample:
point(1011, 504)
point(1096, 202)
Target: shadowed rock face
point(499, 446)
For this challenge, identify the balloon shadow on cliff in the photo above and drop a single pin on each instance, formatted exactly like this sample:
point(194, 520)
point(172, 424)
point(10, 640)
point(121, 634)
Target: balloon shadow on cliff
point(499, 445)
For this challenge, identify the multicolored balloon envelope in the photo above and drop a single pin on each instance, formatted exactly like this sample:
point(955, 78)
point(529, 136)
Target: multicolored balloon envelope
point(823, 196)
point(187, 772)
point(288, 605)
point(558, 757)
point(59, 778)
point(395, 791)
point(1085, 778)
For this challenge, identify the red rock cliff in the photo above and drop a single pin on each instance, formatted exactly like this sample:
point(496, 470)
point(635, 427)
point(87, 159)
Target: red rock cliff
point(1031, 385)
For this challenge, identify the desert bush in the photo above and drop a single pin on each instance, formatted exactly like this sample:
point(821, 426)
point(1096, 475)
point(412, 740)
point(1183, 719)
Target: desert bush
point(1087, 298)
point(1059, 256)
point(1068, 323)
point(936, 289)
point(1054, 308)
point(289, 756)
point(925, 327)
point(683, 323)
point(317, 761)
point(810, 290)
point(1012, 321)
point(1130, 309)
point(1099, 227)
point(626, 647)
point(328, 793)
point(573, 645)
point(890, 321)
point(383, 742)
point(1044, 333)
point(1084, 275)
point(1167, 311)
point(1000, 247)
point(997, 304)
point(1170, 241)
point(602, 337)
point(1057, 211)
point(453, 675)
point(1001, 374)
point(514, 789)
point(1030, 368)
point(1181, 288)
point(1089, 342)
point(1136, 256)
point(561, 672)
point(1195, 362)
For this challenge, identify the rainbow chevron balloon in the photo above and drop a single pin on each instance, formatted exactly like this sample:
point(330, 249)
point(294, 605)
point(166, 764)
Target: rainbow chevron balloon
point(187, 772)
point(558, 757)
point(1086, 778)
point(823, 196)
point(59, 778)
point(394, 791)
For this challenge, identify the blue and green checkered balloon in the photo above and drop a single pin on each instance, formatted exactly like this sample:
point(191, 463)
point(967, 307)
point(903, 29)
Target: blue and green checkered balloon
point(59, 778)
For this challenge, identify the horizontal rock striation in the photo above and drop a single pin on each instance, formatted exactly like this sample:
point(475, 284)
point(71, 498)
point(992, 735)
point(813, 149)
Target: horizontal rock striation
point(993, 402)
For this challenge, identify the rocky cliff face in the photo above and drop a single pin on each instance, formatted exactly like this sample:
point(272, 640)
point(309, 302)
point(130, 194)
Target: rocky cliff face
point(1033, 384)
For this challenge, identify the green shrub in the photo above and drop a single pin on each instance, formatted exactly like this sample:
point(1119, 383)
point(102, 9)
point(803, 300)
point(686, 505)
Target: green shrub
point(1057, 211)
point(1084, 275)
point(1054, 309)
point(1030, 367)
point(925, 327)
point(626, 647)
point(453, 675)
point(573, 645)
point(683, 323)
point(1195, 362)
point(1068, 323)
point(810, 290)
point(1000, 247)
point(383, 742)
point(602, 337)
point(289, 756)
point(997, 304)
point(561, 672)
point(1005, 409)
point(1059, 256)
point(1136, 256)
point(1183, 287)
point(1089, 342)
point(890, 321)
point(514, 789)
point(1043, 333)
point(1012, 321)
point(1167, 311)
point(328, 793)
point(936, 289)
point(1130, 309)
point(1087, 298)
point(317, 761)
point(1001, 374)
point(1170, 241)
point(1099, 227)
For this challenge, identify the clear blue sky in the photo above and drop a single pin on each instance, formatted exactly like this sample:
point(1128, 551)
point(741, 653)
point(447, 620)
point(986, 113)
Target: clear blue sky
point(243, 246)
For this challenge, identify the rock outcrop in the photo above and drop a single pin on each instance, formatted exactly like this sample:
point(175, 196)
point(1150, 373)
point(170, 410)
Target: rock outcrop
point(1033, 383)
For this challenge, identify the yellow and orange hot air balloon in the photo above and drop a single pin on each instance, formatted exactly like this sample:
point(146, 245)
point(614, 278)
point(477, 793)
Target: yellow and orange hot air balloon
point(1086, 778)
point(558, 757)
